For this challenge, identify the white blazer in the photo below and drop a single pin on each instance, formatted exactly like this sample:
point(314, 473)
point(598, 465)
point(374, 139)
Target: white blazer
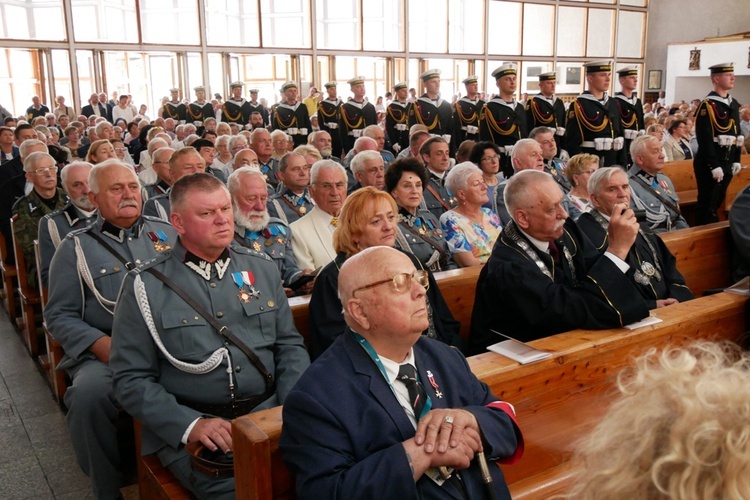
point(312, 240)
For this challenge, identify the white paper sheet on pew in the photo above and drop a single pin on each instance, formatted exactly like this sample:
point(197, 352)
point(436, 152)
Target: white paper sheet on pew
point(518, 351)
point(650, 320)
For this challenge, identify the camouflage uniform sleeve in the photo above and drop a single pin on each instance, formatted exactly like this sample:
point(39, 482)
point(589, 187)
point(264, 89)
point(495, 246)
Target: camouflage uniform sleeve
point(24, 231)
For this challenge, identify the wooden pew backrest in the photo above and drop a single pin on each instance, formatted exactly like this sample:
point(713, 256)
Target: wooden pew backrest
point(557, 399)
point(703, 255)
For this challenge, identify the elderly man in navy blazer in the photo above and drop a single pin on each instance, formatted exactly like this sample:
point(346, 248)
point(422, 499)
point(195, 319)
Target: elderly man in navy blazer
point(388, 413)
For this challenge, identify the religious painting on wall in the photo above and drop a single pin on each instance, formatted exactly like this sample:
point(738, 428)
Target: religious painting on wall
point(695, 59)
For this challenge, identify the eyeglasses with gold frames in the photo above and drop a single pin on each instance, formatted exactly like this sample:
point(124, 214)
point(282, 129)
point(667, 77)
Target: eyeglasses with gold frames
point(401, 282)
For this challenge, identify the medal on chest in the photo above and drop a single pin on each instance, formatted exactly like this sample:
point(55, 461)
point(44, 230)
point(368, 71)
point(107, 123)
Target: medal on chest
point(160, 240)
point(245, 279)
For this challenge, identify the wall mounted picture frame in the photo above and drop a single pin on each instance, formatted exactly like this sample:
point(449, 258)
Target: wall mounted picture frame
point(654, 79)
point(695, 60)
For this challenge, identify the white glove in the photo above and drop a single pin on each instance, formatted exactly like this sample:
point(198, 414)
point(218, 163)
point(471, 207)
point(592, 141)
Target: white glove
point(736, 167)
point(397, 148)
point(718, 174)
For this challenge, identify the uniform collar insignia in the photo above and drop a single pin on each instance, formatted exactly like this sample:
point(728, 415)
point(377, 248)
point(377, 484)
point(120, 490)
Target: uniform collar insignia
point(71, 214)
point(117, 233)
point(203, 268)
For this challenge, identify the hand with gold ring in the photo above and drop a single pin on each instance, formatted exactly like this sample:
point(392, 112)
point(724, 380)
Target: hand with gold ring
point(444, 427)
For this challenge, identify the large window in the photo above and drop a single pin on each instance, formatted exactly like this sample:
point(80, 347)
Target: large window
point(232, 22)
point(383, 25)
point(32, 19)
point(170, 21)
point(285, 23)
point(19, 78)
point(105, 21)
point(505, 28)
point(428, 24)
point(145, 47)
point(337, 24)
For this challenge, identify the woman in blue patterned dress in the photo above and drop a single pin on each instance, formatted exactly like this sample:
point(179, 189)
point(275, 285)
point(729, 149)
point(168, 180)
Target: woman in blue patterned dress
point(470, 229)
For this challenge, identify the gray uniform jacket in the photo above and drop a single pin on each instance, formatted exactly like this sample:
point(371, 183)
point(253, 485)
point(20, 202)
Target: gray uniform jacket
point(411, 239)
point(275, 240)
point(281, 209)
point(660, 217)
point(158, 207)
point(147, 384)
point(53, 228)
point(75, 316)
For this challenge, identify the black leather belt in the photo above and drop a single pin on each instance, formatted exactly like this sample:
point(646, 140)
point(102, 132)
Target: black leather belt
point(228, 411)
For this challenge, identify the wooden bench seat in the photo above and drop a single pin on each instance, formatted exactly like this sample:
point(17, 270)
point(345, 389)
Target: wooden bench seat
point(9, 275)
point(154, 480)
point(557, 400)
point(31, 301)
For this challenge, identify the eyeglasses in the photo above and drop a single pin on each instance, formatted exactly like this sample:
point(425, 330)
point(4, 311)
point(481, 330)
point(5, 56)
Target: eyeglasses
point(491, 158)
point(125, 149)
point(401, 282)
point(41, 171)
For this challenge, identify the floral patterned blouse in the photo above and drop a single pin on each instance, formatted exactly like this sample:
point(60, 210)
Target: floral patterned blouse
point(464, 235)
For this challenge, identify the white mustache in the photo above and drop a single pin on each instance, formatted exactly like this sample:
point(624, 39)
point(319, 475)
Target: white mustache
point(128, 203)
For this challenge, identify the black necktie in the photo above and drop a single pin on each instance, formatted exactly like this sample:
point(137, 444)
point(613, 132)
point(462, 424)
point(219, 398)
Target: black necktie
point(554, 252)
point(407, 374)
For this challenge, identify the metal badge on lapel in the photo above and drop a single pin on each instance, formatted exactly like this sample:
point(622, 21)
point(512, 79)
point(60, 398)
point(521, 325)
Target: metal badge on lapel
point(160, 240)
point(434, 385)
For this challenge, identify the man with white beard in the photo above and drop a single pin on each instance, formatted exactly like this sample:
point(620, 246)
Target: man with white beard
point(77, 214)
point(323, 143)
point(256, 230)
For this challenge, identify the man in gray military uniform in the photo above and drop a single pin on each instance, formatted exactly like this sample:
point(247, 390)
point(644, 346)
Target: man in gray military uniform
point(294, 201)
point(77, 214)
point(174, 371)
point(256, 229)
point(85, 276)
point(652, 190)
point(183, 162)
point(160, 165)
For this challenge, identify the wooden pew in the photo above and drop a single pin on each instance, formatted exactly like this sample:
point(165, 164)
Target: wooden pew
point(703, 255)
point(154, 480)
point(257, 448)
point(739, 182)
point(682, 175)
point(697, 250)
point(30, 300)
point(57, 379)
point(9, 274)
point(557, 399)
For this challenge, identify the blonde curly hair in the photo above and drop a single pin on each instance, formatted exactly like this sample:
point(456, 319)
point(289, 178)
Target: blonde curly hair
point(681, 429)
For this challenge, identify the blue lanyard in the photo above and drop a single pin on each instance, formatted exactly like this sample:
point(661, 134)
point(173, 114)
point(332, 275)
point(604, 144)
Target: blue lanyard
point(374, 356)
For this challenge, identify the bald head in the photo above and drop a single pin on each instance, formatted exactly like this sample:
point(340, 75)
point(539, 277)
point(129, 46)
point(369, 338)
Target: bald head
point(390, 317)
point(363, 268)
point(365, 144)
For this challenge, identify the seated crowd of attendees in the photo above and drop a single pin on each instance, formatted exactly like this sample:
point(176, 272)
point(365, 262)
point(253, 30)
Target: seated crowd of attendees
point(556, 236)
